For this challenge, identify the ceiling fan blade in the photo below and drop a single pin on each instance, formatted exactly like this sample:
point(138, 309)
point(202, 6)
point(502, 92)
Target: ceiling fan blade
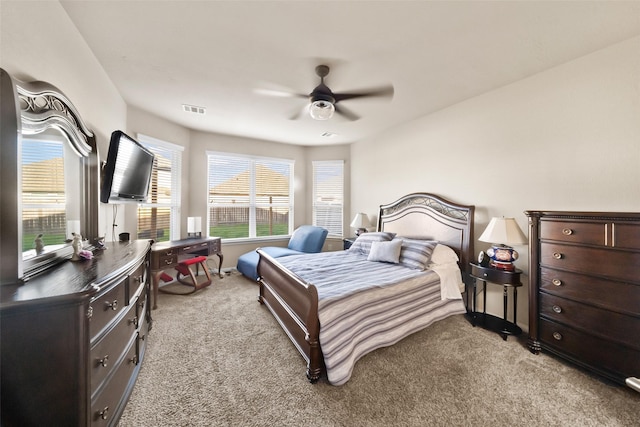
point(300, 113)
point(279, 93)
point(346, 113)
point(385, 91)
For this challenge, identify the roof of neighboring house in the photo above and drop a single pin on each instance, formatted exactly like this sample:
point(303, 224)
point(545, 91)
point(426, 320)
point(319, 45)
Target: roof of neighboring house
point(268, 181)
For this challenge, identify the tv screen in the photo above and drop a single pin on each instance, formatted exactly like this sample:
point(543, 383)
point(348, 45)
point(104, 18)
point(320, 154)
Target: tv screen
point(127, 171)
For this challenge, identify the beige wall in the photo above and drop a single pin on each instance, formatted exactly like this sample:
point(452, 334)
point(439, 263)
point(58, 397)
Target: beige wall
point(39, 42)
point(564, 139)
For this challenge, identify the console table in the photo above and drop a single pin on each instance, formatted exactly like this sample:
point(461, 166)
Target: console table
point(505, 279)
point(166, 255)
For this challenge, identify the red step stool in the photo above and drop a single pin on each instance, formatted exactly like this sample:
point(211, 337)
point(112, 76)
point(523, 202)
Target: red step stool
point(184, 270)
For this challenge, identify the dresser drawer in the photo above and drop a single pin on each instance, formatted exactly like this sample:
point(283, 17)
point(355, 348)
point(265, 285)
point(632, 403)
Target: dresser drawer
point(608, 324)
point(618, 296)
point(163, 261)
point(108, 350)
point(591, 233)
point(626, 235)
point(202, 247)
point(603, 262)
point(136, 281)
point(602, 355)
point(109, 403)
point(106, 307)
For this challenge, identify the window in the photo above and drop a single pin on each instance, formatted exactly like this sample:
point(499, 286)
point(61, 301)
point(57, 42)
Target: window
point(249, 197)
point(159, 216)
point(328, 195)
point(49, 170)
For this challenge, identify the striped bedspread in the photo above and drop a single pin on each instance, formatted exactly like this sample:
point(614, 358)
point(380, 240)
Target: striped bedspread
point(365, 305)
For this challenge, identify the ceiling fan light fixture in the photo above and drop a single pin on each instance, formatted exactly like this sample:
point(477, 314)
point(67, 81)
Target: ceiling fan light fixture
point(321, 110)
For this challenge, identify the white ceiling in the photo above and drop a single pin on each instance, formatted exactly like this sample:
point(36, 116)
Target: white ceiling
point(221, 54)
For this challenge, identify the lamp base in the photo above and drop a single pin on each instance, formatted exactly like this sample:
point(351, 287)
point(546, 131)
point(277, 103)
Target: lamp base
point(359, 231)
point(502, 257)
point(506, 266)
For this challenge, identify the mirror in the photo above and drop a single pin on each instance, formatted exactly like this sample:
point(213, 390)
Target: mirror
point(50, 161)
point(50, 179)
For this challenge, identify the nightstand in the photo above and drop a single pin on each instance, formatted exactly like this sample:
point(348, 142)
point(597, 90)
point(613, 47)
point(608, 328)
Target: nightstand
point(503, 278)
point(346, 243)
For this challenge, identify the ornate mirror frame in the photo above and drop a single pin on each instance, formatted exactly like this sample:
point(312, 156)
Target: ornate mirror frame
point(29, 109)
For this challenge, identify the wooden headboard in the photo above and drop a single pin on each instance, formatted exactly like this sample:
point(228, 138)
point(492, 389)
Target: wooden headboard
point(427, 216)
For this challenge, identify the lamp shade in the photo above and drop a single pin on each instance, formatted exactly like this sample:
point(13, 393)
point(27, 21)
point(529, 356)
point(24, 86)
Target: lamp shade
point(194, 224)
point(503, 230)
point(321, 110)
point(361, 220)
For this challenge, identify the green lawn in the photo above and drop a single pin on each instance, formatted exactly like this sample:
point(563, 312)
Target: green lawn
point(242, 230)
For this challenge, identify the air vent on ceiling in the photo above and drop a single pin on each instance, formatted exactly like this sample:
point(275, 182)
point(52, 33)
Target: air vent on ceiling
point(194, 109)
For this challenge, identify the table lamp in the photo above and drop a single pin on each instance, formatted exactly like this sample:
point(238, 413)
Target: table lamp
point(502, 232)
point(360, 223)
point(194, 226)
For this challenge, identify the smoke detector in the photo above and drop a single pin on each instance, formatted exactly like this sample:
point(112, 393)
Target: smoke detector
point(194, 109)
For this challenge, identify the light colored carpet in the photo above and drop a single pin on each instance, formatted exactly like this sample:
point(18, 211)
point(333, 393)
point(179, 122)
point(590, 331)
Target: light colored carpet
point(218, 358)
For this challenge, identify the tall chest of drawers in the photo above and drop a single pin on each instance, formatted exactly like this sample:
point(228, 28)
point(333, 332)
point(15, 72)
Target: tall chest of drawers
point(73, 339)
point(584, 290)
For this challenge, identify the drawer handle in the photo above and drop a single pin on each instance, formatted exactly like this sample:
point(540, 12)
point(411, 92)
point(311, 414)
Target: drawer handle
point(557, 282)
point(104, 362)
point(557, 309)
point(134, 321)
point(104, 414)
point(557, 336)
point(567, 231)
point(138, 279)
point(112, 305)
point(557, 255)
point(168, 261)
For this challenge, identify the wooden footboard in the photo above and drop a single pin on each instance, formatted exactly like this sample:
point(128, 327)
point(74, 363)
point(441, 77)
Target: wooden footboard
point(294, 304)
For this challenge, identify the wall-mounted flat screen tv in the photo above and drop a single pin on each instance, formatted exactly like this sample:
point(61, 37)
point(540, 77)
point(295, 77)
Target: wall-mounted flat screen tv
point(127, 172)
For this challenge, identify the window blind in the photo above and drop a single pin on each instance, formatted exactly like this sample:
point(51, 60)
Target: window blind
point(159, 215)
point(328, 195)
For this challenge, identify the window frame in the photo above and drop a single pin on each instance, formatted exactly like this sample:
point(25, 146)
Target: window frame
point(175, 213)
point(253, 204)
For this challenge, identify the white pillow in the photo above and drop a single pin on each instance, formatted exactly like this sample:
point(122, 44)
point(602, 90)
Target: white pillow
point(443, 254)
point(385, 251)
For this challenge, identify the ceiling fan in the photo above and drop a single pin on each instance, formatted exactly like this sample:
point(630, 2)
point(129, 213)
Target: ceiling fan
point(323, 101)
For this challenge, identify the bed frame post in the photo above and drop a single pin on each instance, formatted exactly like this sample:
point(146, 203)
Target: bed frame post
point(294, 304)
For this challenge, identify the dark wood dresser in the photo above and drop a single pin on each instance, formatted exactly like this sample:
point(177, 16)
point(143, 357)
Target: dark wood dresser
point(73, 339)
point(584, 289)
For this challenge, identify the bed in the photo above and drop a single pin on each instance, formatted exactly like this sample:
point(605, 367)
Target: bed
point(304, 292)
